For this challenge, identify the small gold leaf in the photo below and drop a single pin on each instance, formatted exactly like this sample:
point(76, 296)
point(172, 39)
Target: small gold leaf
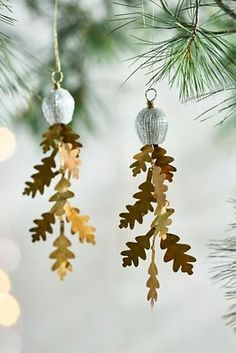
point(141, 207)
point(79, 225)
point(43, 226)
point(62, 254)
point(162, 220)
point(159, 188)
point(152, 282)
point(61, 196)
point(143, 157)
point(163, 161)
point(177, 253)
point(137, 250)
point(70, 160)
point(43, 177)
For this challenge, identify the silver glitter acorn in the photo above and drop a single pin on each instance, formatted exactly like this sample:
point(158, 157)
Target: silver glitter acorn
point(151, 124)
point(58, 107)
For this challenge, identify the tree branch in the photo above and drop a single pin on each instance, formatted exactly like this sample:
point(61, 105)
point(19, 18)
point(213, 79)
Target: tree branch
point(226, 8)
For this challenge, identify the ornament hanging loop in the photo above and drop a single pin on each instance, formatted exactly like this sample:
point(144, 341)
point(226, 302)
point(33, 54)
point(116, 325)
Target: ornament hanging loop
point(57, 78)
point(150, 101)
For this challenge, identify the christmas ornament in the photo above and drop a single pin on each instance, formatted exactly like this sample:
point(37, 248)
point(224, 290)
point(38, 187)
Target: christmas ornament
point(62, 165)
point(152, 126)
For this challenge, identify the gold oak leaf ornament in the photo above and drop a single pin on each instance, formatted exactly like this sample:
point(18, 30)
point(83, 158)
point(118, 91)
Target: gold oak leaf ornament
point(61, 165)
point(152, 126)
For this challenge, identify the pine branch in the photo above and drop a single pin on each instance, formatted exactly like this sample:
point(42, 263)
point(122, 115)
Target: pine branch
point(226, 8)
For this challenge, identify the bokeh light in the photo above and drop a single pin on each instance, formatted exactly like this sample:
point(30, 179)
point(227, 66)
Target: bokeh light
point(10, 256)
point(9, 310)
point(5, 284)
point(7, 143)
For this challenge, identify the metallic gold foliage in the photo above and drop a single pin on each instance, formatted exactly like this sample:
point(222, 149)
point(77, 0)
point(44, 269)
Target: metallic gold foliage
point(51, 137)
point(68, 136)
point(59, 133)
point(60, 139)
point(62, 254)
point(160, 188)
point(43, 177)
point(152, 282)
point(143, 157)
point(177, 253)
point(137, 249)
point(142, 206)
point(70, 159)
point(153, 190)
point(163, 161)
point(79, 225)
point(43, 226)
point(162, 220)
point(61, 197)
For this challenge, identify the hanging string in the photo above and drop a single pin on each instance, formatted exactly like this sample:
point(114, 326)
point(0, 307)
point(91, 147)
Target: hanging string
point(57, 75)
point(150, 88)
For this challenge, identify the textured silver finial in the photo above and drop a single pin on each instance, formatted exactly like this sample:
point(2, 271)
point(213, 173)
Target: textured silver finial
point(151, 124)
point(58, 107)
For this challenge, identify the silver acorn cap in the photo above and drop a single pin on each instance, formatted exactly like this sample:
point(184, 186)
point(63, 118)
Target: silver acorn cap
point(151, 124)
point(58, 107)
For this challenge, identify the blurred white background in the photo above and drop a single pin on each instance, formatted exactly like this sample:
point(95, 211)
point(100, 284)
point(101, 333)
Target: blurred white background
point(101, 307)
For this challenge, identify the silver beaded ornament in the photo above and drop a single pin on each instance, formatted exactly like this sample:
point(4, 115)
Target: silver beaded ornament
point(58, 107)
point(151, 123)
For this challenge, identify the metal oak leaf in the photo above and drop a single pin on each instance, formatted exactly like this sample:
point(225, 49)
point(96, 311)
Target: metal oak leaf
point(62, 255)
point(61, 197)
point(142, 206)
point(143, 157)
point(177, 253)
point(163, 161)
point(79, 225)
point(51, 137)
point(162, 220)
point(152, 282)
point(68, 136)
point(137, 249)
point(70, 160)
point(160, 188)
point(43, 177)
point(43, 226)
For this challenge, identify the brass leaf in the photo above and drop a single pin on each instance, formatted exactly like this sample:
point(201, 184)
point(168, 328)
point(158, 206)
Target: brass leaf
point(79, 225)
point(163, 161)
point(43, 177)
point(43, 226)
point(141, 207)
point(143, 157)
point(160, 188)
point(62, 255)
point(51, 137)
point(152, 282)
point(61, 197)
point(137, 249)
point(177, 253)
point(70, 160)
point(162, 220)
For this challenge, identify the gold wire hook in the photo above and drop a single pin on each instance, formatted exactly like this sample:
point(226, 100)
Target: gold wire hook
point(57, 75)
point(150, 101)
